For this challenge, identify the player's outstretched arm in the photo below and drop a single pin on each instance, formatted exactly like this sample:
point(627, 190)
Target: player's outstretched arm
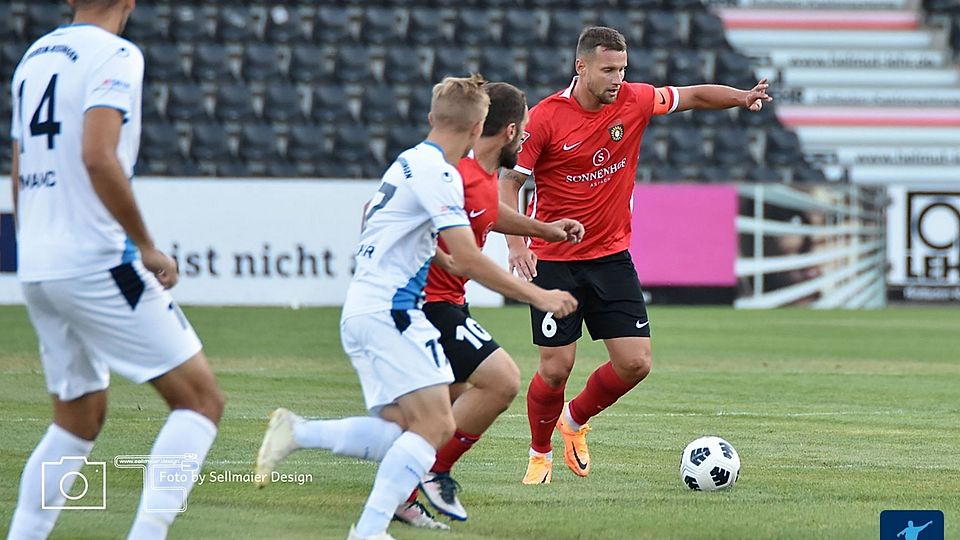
point(522, 260)
point(466, 255)
point(716, 96)
point(509, 221)
point(101, 134)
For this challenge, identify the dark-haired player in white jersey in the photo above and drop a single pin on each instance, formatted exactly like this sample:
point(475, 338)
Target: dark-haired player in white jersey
point(93, 280)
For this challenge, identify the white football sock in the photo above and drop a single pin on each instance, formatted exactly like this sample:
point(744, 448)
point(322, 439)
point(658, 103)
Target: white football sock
point(185, 432)
point(568, 418)
point(548, 455)
point(364, 437)
point(410, 457)
point(30, 520)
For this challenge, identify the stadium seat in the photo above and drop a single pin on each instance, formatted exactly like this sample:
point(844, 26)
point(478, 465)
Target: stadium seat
point(715, 174)
point(681, 5)
point(351, 144)
point(380, 26)
point(706, 31)
point(399, 138)
point(186, 102)
point(424, 27)
point(261, 62)
point(186, 168)
point(379, 106)
point(10, 55)
point(5, 112)
point(474, 27)
point(661, 29)
point(307, 63)
point(147, 167)
point(685, 147)
point(731, 147)
point(642, 67)
point(403, 65)
point(209, 142)
point(637, 4)
point(281, 168)
point(536, 94)
point(233, 169)
point(684, 68)
point(666, 173)
point(621, 20)
point(8, 27)
point(258, 142)
point(146, 25)
point(783, 147)
point(521, 29)
point(43, 17)
point(804, 173)
point(498, 64)
point(450, 62)
point(549, 66)
point(419, 106)
point(188, 24)
point(211, 62)
point(282, 103)
point(733, 69)
point(150, 112)
point(330, 106)
point(234, 24)
point(763, 173)
point(565, 27)
point(305, 142)
point(763, 118)
point(235, 103)
point(332, 25)
point(353, 64)
point(283, 25)
point(160, 142)
point(712, 118)
point(162, 63)
point(649, 155)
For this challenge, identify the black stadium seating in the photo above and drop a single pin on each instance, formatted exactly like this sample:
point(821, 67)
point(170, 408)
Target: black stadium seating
point(322, 88)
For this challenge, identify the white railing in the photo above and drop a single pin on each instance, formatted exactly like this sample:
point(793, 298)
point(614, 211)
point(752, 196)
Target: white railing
point(823, 247)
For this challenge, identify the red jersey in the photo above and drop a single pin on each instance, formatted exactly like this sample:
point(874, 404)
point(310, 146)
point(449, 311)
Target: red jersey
point(585, 165)
point(482, 203)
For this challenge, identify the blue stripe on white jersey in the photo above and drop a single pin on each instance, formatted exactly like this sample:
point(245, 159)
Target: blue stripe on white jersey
point(409, 296)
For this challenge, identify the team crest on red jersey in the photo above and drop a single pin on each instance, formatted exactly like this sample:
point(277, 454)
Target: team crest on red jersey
point(616, 130)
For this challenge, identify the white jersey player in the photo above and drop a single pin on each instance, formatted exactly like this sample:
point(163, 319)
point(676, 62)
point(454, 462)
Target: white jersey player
point(93, 280)
point(395, 350)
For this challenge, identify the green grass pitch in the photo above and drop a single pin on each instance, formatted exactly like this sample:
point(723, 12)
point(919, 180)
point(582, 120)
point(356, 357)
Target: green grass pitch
point(837, 416)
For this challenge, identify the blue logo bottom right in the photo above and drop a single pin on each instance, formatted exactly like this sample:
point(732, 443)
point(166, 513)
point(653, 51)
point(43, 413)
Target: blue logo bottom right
point(911, 525)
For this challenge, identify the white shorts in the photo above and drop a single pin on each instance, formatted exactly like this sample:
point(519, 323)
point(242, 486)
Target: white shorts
point(120, 319)
point(392, 363)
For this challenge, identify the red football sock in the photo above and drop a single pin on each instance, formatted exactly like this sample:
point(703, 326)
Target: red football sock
point(451, 452)
point(544, 405)
point(413, 496)
point(604, 388)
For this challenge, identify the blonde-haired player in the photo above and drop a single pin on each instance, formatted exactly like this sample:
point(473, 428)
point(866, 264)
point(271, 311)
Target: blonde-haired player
point(403, 371)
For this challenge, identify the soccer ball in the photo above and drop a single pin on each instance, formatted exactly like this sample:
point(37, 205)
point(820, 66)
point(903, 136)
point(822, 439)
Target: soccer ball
point(709, 464)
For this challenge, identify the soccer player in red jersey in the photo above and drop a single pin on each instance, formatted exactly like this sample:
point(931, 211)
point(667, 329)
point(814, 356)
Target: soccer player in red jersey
point(486, 378)
point(582, 146)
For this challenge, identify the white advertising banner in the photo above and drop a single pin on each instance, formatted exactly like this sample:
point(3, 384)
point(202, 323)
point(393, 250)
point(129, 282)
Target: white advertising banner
point(248, 241)
point(923, 232)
